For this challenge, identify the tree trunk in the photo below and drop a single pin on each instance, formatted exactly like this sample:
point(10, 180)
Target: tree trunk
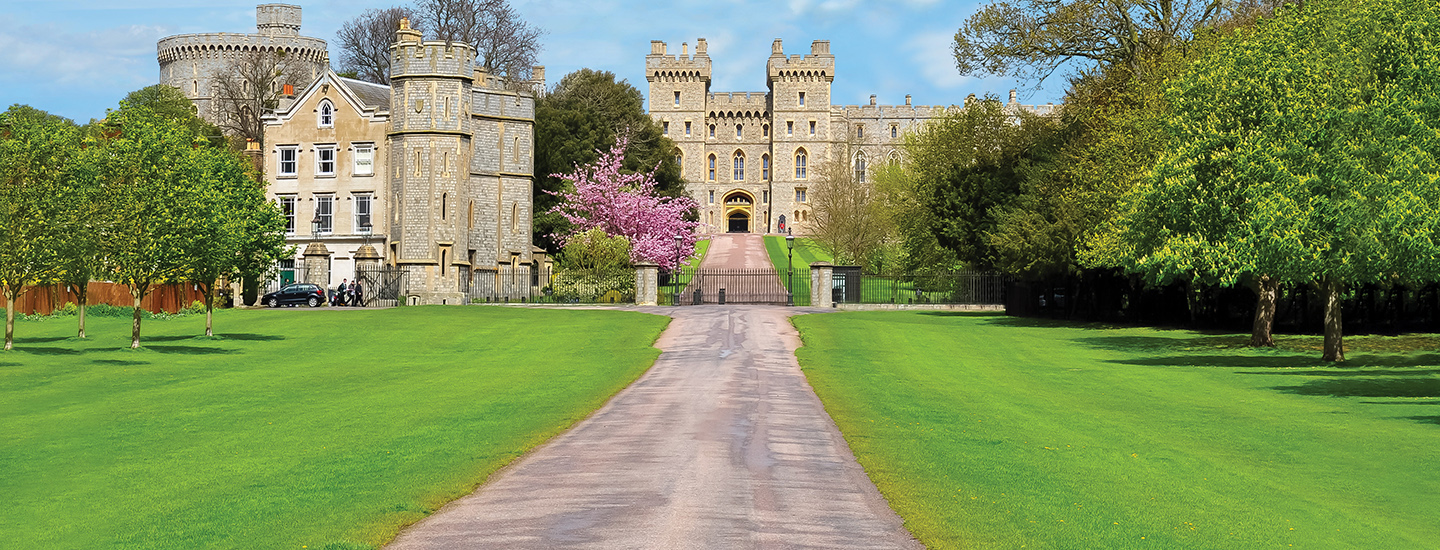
point(9, 320)
point(1260, 335)
point(209, 309)
point(82, 294)
point(1334, 343)
point(135, 327)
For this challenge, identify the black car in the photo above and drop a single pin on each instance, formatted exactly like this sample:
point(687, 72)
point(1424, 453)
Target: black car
point(299, 293)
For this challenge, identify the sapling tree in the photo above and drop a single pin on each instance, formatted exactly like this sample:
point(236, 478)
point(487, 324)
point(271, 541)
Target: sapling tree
point(35, 152)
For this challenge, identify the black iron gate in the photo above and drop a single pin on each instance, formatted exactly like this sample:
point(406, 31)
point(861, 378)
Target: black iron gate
point(383, 286)
point(729, 286)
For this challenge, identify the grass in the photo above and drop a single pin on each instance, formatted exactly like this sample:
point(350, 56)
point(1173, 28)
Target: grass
point(292, 429)
point(998, 432)
point(807, 251)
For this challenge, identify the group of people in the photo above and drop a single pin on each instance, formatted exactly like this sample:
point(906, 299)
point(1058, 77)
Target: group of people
point(348, 294)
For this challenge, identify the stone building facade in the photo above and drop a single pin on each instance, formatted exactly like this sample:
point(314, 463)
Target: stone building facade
point(442, 159)
point(749, 158)
point(190, 62)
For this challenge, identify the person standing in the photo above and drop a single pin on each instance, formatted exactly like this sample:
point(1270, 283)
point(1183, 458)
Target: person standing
point(350, 294)
point(359, 293)
point(339, 299)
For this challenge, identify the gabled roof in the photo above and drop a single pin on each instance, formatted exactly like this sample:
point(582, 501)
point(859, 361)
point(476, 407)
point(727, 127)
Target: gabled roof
point(370, 100)
point(376, 96)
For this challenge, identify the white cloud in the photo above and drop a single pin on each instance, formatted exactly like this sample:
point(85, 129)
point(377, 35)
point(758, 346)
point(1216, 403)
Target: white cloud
point(45, 53)
point(932, 54)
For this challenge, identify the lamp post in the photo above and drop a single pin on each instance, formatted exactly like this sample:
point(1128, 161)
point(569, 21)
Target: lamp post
point(675, 274)
point(365, 229)
point(790, 270)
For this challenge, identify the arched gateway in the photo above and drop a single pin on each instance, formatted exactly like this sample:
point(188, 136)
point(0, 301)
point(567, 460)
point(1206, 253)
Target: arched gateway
point(739, 210)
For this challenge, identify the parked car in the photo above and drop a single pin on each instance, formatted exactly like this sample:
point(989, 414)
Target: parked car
point(299, 293)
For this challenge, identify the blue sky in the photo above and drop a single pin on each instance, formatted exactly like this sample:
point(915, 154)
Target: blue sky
point(78, 57)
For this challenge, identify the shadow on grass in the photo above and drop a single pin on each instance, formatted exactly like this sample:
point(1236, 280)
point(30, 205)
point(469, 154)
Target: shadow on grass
point(1289, 361)
point(171, 338)
point(49, 351)
point(190, 350)
point(964, 313)
point(1343, 373)
point(40, 340)
point(8, 364)
point(1161, 343)
point(1003, 320)
point(1368, 387)
point(250, 337)
point(1424, 419)
point(119, 362)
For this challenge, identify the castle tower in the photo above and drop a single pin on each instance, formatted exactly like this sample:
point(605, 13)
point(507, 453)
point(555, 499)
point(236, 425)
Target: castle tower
point(429, 147)
point(190, 62)
point(679, 88)
point(800, 91)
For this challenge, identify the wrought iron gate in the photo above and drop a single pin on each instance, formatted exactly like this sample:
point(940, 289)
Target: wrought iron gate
point(730, 286)
point(383, 286)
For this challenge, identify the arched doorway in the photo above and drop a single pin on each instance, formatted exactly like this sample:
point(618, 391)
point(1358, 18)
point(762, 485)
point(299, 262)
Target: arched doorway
point(739, 210)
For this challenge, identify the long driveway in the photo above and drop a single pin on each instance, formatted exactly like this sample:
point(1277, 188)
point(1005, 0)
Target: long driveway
point(721, 444)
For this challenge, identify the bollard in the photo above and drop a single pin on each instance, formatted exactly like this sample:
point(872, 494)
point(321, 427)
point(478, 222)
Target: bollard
point(697, 300)
point(722, 296)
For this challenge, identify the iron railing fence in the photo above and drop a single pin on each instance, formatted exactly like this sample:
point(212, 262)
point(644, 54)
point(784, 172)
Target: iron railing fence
point(958, 287)
point(382, 286)
point(691, 286)
point(528, 285)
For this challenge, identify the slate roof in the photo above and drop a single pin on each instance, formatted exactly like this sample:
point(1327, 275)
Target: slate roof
point(376, 96)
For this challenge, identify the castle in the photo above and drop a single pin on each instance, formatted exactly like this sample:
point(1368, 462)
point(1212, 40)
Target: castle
point(749, 158)
point(190, 62)
point(436, 169)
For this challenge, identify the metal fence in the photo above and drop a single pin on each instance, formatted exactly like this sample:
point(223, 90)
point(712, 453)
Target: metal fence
point(544, 286)
point(960, 287)
point(730, 286)
point(383, 286)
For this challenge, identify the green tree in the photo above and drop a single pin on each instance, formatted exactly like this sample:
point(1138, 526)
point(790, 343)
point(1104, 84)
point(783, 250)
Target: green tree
point(582, 115)
point(148, 167)
point(169, 102)
point(1304, 152)
point(35, 152)
point(85, 224)
point(850, 219)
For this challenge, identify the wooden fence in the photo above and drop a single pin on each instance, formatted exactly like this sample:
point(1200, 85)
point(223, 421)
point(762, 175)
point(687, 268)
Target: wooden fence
point(46, 299)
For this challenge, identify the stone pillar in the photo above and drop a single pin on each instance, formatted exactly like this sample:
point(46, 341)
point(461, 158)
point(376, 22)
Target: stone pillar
point(366, 259)
point(317, 265)
point(647, 284)
point(822, 276)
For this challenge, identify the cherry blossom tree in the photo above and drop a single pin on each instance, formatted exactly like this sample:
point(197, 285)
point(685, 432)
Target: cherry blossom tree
point(627, 205)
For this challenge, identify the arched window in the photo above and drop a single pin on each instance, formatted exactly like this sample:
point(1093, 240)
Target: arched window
point(712, 130)
point(860, 167)
point(764, 167)
point(514, 217)
point(739, 166)
point(327, 114)
point(680, 162)
point(894, 131)
point(471, 215)
point(764, 130)
point(860, 131)
point(444, 202)
point(712, 168)
point(800, 158)
point(516, 158)
point(738, 132)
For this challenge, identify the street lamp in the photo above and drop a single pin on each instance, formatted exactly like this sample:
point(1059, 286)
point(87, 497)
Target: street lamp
point(365, 229)
point(315, 227)
point(675, 275)
point(790, 269)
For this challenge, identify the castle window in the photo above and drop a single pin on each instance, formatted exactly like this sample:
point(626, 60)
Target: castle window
point(288, 164)
point(365, 160)
point(287, 207)
point(738, 132)
point(687, 128)
point(514, 217)
point(802, 99)
point(362, 210)
point(470, 215)
point(765, 197)
point(196, 88)
point(812, 127)
point(800, 159)
point(859, 132)
point(712, 169)
point(739, 166)
point(712, 130)
point(677, 99)
point(765, 168)
point(444, 203)
point(789, 127)
point(860, 167)
point(516, 158)
point(765, 130)
point(325, 210)
point(800, 195)
point(327, 114)
point(417, 163)
point(894, 131)
point(712, 197)
point(325, 160)
point(665, 128)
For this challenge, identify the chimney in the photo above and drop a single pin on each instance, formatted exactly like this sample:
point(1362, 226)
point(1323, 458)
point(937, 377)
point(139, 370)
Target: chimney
point(1012, 95)
point(657, 47)
point(288, 90)
point(776, 48)
point(907, 99)
point(685, 49)
point(537, 73)
point(406, 34)
point(819, 47)
point(700, 46)
point(872, 99)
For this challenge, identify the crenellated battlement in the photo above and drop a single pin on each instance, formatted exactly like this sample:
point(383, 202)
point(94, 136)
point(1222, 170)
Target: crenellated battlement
point(684, 67)
point(818, 65)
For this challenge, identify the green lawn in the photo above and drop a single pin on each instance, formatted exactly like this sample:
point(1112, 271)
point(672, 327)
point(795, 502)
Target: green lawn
point(806, 253)
point(294, 428)
point(998, 432)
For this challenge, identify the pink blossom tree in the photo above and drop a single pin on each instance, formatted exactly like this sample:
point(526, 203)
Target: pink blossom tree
point(627, 205)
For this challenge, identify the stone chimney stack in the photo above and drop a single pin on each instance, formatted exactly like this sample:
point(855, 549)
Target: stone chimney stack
point(872, 99)
point(907, 99)
point(1012, 95)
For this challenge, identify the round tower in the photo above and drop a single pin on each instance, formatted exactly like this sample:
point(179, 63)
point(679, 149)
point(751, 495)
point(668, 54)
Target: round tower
point(429, 147)
point(190, 62)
